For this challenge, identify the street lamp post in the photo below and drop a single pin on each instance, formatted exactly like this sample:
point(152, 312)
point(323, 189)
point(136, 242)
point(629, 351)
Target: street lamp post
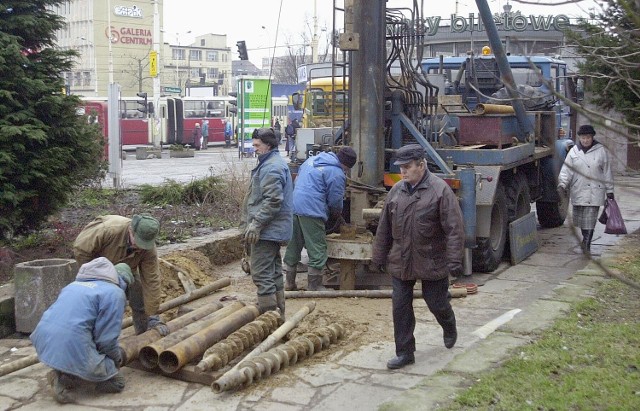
point(176, 57)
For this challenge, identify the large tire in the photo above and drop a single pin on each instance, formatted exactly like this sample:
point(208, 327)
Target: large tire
point(488, 252)
point(518, 197)
point(552, 214)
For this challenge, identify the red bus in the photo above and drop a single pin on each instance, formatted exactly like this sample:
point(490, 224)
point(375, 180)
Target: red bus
point(197, 110)
point(176, 119)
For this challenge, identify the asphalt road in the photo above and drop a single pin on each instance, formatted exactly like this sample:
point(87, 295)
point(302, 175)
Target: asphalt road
point(213, 161)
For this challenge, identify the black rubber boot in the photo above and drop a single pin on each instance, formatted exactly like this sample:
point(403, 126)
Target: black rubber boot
point(267, 303)
point(315, 280)
point(447, 321)
point(289, 277)
point(280, 302)
point(588, 241)
point(587, 235)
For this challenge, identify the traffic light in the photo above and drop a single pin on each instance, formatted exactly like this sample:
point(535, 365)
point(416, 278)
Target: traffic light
point(233, 103)
point(143, 106)
point(242, 50)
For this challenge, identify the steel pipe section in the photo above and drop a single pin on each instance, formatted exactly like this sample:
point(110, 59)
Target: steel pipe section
point(130, 346)
point(175, 357)
point(150, 352)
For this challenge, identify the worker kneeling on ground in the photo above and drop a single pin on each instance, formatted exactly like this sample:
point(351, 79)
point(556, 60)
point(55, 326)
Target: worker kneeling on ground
point(420, 237)
point(317, 198)
point(78, 335)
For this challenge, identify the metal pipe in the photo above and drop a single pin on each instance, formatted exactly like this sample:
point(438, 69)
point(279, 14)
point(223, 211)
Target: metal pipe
point(525, 128)
point(18, 364)
point(349, 294)
point(130, 346)
point(172, 359)
point(231, 347)
point(150, 352)
point(186, 298)
point(265, 364)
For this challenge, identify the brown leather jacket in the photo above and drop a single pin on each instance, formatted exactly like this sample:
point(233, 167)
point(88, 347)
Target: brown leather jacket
point(107, 236)
point(420, 235)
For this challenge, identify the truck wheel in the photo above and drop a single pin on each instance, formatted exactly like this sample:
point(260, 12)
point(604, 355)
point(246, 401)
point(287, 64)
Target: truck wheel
point(552, 214)
point(518, 197)
point(488, 252)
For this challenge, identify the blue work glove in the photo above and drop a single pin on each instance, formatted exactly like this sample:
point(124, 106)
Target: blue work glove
point(158, 324)
point(610, 196)
point(252, 233)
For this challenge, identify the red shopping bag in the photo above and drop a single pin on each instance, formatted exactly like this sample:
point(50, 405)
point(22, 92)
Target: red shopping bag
point(615, 223)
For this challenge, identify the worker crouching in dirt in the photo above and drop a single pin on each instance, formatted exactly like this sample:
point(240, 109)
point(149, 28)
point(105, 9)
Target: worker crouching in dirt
point(267, 219)
point(318, 197)
point(130, 241)
point(78, 335)
point(420, 236)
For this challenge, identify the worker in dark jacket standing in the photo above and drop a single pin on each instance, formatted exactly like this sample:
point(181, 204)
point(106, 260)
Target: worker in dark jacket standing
point(267, 219)
point(420, 236)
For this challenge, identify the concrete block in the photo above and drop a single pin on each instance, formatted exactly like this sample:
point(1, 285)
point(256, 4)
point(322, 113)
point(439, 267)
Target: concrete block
point(37, 285)
point(7, 312)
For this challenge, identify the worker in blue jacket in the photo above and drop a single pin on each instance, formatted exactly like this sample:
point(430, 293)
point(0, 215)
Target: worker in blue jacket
point(78, 334)
point(317, 198)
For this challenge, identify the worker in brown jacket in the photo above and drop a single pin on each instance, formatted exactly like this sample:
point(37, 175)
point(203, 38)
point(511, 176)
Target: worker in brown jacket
point(131, 241)
point(420, 236)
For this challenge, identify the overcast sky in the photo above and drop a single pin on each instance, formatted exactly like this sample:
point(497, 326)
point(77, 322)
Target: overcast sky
point(245, 19)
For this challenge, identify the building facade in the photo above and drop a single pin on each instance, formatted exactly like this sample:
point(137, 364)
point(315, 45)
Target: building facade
point(520, 34)
point(114, 39)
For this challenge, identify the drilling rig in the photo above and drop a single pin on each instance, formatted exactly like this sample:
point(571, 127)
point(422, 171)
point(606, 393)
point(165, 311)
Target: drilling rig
point(495, 142)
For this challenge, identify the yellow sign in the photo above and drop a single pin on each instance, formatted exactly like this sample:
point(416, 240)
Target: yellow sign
point(153, 63)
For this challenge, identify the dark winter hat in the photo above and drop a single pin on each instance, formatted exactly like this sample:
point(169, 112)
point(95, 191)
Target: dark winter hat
point(267, 135)
point(145, 229)
point(347, 157)
point(409, 153)
point(586, 129)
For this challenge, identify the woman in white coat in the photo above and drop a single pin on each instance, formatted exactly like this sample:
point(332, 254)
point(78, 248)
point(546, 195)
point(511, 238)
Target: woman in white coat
point(586, 176)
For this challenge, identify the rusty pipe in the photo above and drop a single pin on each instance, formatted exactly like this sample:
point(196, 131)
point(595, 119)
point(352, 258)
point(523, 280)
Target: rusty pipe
point(231, 347)
point(484, 108)
point(272, 361)
point(18, 364)
point(173, 358)
point(130, 346)
point(150, 352)
point(357, 293)
point(186, 298)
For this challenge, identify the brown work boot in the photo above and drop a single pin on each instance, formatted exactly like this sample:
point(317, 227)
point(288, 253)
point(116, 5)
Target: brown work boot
point(61, 392)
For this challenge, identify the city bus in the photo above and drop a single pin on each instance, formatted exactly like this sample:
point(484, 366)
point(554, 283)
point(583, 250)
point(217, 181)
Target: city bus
point(325, 102)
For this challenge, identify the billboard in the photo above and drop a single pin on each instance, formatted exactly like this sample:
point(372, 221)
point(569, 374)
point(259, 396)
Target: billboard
point(254, 108)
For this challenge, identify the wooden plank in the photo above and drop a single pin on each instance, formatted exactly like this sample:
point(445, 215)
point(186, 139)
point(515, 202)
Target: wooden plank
point(187, 282)
point(188, 373)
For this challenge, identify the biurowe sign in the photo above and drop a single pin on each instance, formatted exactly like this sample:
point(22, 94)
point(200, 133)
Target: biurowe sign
point(504, 22)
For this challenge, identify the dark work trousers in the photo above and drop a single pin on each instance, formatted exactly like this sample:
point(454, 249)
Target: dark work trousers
point(435, 294)
point(136, 302)
point(266, 267)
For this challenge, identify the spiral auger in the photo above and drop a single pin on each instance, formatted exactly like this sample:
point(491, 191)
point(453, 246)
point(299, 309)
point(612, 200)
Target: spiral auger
point(272, 361)
point(235, 344)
